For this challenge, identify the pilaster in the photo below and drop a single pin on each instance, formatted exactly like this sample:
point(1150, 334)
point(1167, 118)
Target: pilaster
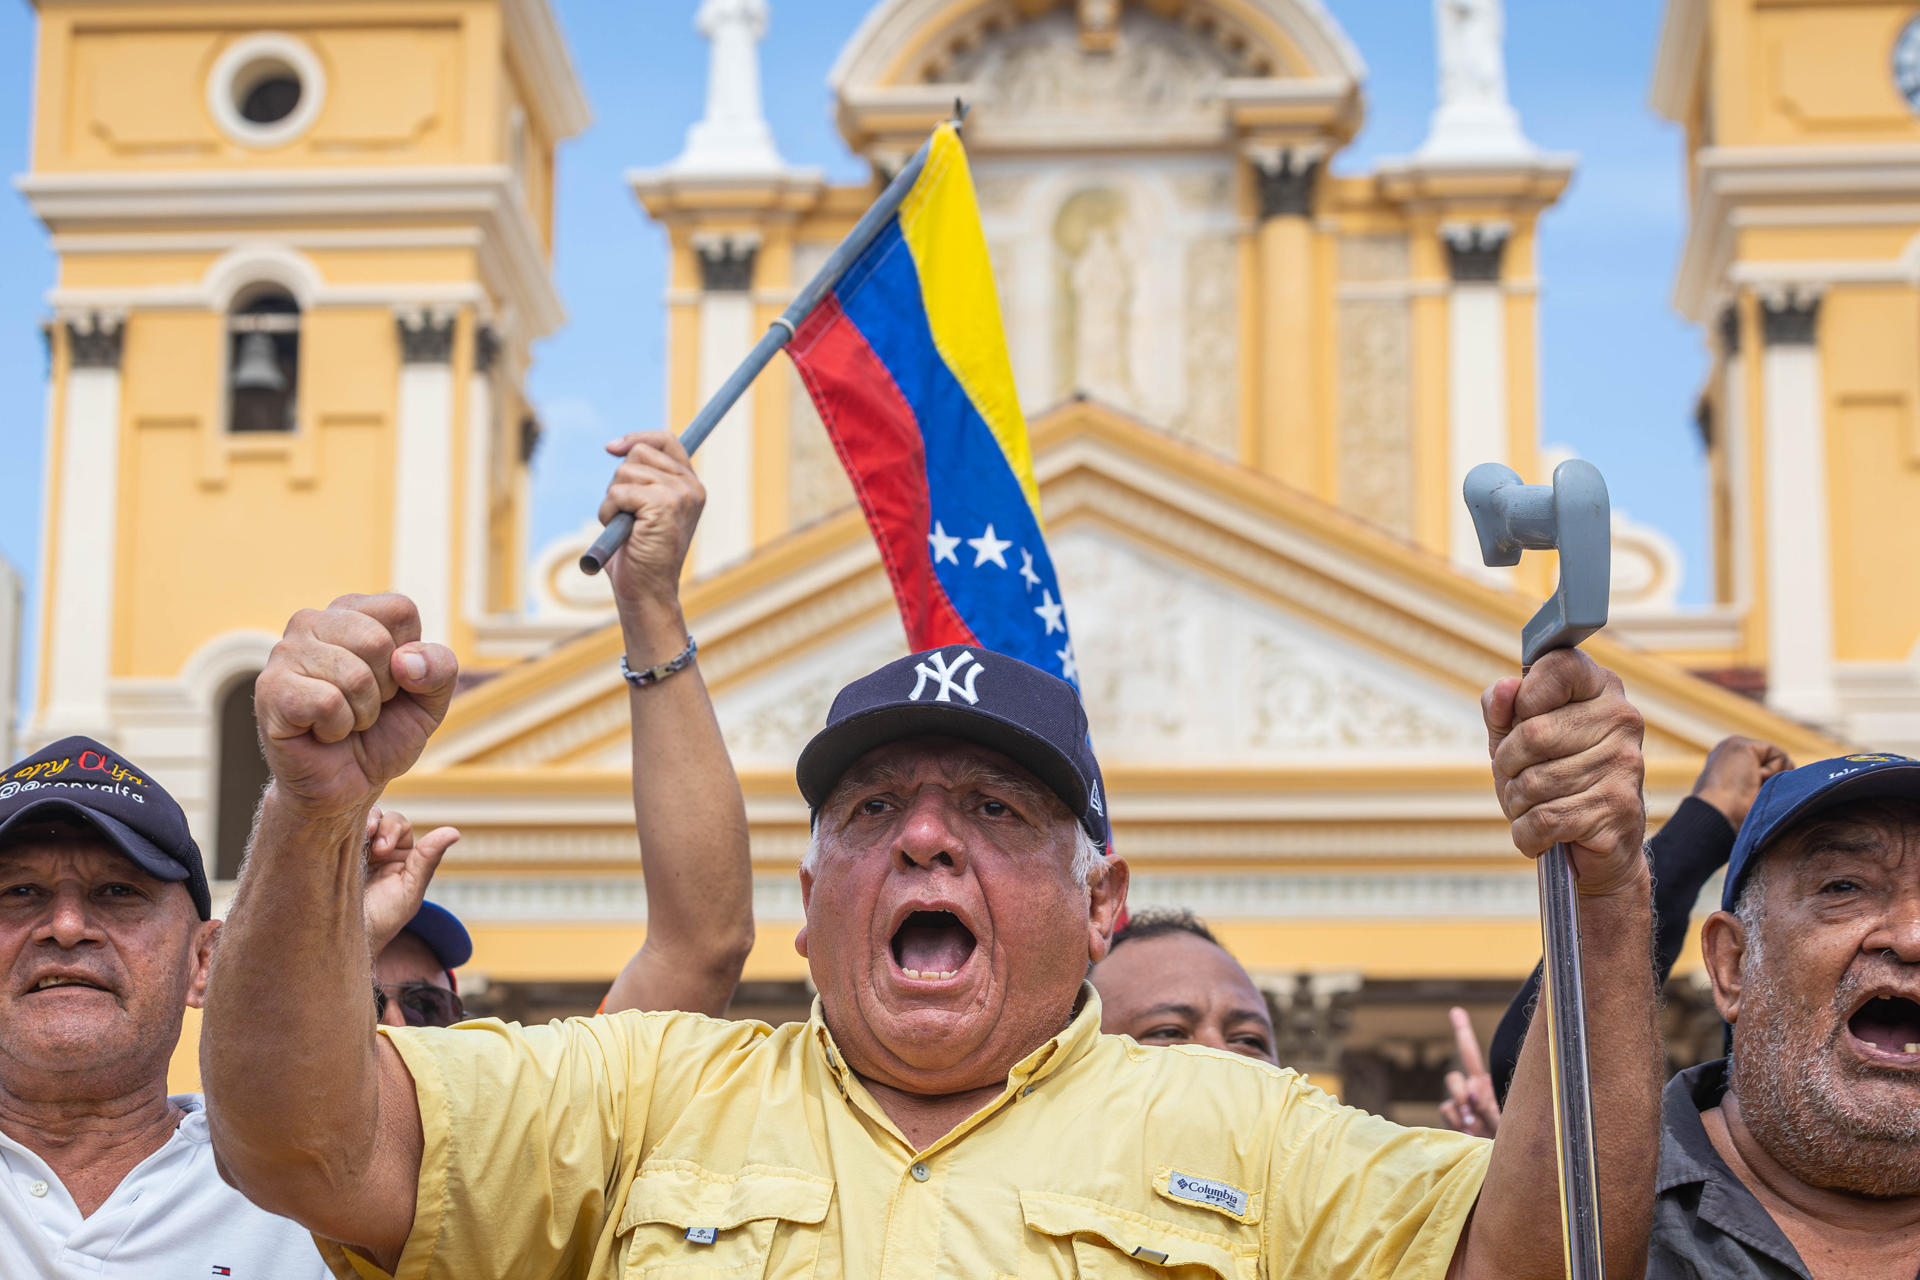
point(1288, 444)
point(1477, 373)
point(1800, 668)
point(423, 517)
point(84, 528)
point(726, 461)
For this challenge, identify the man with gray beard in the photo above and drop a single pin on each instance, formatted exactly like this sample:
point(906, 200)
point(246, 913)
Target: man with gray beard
point(1798, 1155)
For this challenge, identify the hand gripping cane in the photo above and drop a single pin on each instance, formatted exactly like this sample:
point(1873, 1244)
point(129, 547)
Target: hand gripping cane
point(1571, 516)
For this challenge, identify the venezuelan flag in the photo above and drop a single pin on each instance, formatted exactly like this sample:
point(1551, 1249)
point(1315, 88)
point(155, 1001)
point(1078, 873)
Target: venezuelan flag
point(907, 362)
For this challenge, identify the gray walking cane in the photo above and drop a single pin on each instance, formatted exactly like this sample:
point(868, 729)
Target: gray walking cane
point(777, 336)
point(1571, 516)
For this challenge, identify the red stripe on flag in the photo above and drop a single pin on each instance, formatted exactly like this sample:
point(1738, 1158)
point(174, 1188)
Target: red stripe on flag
point(877, 436)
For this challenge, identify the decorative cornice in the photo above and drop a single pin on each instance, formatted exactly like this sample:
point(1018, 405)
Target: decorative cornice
point(512, 257)
point(426, 335)
point(1475, 250)
point(726, 261)
point(94, 339)
point(1288, 177)
point(1789, 318)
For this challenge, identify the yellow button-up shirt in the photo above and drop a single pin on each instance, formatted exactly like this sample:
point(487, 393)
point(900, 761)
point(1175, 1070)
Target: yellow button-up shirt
point(678, 1147)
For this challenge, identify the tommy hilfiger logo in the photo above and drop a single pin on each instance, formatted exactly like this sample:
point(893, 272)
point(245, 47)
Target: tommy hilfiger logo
point(946, 672)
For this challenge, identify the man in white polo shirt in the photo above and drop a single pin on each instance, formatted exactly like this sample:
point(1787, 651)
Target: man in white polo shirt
point(105, 939)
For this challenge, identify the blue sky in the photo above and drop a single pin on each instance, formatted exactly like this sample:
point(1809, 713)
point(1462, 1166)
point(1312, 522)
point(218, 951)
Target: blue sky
point(1619, 371)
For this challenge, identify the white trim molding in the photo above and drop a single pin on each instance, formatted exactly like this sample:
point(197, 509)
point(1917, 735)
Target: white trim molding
point(513, 261)
point(1358, 896)
point(225, 85)
point(538, 48)
point(1737, 185)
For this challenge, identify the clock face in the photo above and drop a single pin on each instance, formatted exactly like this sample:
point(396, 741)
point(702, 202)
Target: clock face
point(1906, 63)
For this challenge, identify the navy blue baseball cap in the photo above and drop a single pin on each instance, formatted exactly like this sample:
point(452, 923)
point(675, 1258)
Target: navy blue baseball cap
point(958, 691)
point(443, 933)
point(83, 781)
point(1785, 798)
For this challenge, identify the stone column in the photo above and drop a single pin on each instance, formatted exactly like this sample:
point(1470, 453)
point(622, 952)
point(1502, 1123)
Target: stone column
point(86, 486)
point(1799, 572)
point(423, 527)
point(726, 461)
point(477, 500)
point(1289, 444)
point(1476, 375)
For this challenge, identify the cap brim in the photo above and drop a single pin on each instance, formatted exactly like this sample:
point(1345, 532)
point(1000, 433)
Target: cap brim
point(144, 853)
point(443, 933)
point(1894, 781)
point(835, 749)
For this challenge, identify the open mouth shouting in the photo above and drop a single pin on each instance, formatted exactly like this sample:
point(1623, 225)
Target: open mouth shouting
point(931, 946)
point(1886, 1029)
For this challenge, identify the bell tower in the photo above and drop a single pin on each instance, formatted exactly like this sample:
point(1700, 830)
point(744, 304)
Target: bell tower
point(1801, 267)
point(303, 250)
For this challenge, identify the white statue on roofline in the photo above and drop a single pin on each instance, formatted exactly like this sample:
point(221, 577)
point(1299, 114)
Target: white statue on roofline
point(1474, 120)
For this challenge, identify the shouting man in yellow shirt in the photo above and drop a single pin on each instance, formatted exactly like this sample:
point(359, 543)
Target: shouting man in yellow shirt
point(951, 1108)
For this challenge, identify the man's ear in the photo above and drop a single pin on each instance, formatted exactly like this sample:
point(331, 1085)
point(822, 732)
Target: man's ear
point(1106, 899)
point(806, 898)
point(1723, 945)
point(206, 935)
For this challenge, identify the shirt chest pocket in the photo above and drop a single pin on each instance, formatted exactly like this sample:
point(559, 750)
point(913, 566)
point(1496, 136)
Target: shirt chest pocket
point(683, 1222)
point(1094, 1241)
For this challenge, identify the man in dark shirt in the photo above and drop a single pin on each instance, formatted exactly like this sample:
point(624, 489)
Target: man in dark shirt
point(1798, 1155)
point(1695, 842)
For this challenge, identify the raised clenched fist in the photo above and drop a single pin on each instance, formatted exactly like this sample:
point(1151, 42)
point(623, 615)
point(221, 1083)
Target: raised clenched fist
point(348, 700)
point(1567, 767)
point(656, 485)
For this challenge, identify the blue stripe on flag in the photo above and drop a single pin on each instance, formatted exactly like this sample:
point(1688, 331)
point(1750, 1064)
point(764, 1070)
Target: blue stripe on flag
point(971, 484)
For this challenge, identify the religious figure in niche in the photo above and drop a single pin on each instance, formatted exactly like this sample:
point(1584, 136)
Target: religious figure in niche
point(1471, 68)
point(1102, 296)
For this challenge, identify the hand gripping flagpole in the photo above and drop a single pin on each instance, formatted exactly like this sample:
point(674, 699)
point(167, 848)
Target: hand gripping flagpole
point(777, 336)
point(1570, 515)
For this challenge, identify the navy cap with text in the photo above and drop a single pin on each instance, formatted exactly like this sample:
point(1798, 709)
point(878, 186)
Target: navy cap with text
point(83, 781)
point(959, 691)
point(1786, 798)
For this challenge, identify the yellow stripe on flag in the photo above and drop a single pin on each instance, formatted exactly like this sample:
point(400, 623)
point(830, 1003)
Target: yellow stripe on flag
point(940, 221)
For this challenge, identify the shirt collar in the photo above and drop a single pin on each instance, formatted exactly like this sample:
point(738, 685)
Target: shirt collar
point(1060, 1051)
point(1688, 1157)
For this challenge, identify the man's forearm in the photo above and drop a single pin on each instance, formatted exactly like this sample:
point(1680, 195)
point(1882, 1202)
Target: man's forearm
point(1522, 1186)
point(287, 1054)
point(692, 826)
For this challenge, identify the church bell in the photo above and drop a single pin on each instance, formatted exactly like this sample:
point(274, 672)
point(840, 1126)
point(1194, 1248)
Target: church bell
point(257, 369)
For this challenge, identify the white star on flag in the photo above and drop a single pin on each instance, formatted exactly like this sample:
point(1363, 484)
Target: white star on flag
point(1050, 614)
point(987, 547)
point(943, 544)
point(1069, 666)
point(1026, 570)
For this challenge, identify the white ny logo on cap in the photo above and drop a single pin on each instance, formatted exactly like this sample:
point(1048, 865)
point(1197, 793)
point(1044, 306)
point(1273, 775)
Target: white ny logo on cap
point(945, 673)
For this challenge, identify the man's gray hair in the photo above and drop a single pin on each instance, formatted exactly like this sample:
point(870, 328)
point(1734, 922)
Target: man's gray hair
point(1086, 854)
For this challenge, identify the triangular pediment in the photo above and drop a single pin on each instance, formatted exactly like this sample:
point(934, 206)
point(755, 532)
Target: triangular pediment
point(1250, 656)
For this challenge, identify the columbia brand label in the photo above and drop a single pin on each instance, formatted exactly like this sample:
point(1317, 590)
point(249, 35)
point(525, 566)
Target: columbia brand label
point(1205, 1191)
point(702, 1235)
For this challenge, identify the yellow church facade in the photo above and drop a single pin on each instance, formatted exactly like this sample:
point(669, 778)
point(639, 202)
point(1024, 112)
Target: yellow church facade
point(304, 251)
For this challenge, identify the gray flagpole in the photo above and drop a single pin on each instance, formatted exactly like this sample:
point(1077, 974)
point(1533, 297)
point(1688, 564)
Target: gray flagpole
point(778, 335)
